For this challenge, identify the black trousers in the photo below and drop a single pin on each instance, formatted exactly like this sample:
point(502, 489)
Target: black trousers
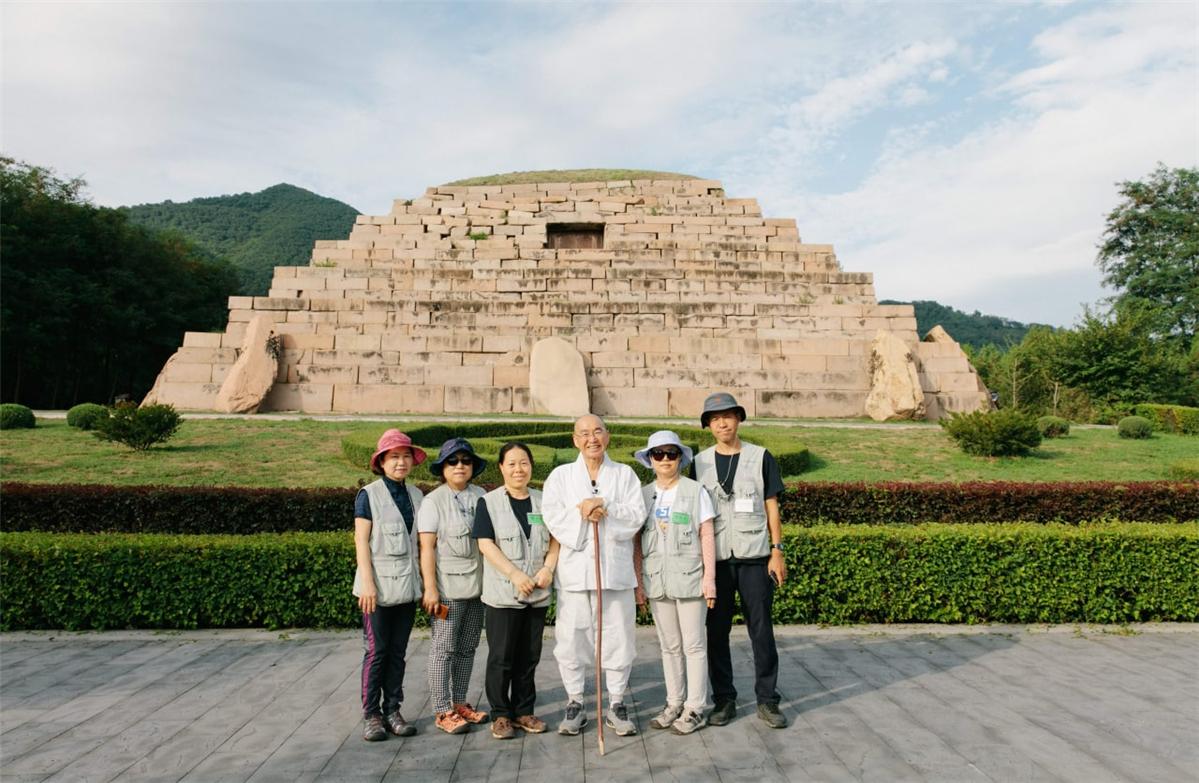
point(513, 652)
point(756, 589)
point(385, 633)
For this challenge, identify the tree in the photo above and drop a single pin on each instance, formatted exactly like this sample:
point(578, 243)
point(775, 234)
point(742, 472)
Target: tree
point(1116, 359)
point(1150, 251)
point(92, 305)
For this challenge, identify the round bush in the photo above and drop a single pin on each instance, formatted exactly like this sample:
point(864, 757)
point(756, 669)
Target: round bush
point(1136, 427)
point(139, 428)
point(1002, 433)
point(85, 415)
point(1053, 427)
point(16, 417)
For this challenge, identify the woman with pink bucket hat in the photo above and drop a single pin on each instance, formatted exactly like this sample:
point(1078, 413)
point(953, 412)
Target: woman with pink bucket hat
point(387, 582)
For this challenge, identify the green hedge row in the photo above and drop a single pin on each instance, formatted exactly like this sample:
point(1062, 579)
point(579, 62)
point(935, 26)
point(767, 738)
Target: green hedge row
point(552, 445)
point(1170, 418)
point(99, 508)
point(1110, 572)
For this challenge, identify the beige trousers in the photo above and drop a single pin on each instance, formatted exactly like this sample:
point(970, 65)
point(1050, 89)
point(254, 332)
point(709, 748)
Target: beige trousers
point(683, 637)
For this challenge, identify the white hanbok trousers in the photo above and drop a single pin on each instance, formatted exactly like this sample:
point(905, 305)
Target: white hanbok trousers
point(574, 631)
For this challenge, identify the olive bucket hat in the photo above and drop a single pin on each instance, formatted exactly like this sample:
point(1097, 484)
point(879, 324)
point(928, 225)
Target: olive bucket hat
point(718, 403)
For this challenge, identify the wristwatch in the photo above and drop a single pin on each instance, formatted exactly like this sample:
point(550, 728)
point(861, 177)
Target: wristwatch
point(778, 546)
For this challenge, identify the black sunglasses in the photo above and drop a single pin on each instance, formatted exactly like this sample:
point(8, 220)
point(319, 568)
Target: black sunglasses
point(456, 460)
point(661, 454)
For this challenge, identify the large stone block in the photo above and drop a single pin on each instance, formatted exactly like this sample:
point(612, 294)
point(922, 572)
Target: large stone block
point(478, 399)
point(252, 375)
point(895, 392)
point(629, 402)
point(558, 379)
point(305, 398)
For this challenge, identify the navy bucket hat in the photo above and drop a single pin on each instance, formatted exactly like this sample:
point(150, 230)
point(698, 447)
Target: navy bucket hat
point(456, 446)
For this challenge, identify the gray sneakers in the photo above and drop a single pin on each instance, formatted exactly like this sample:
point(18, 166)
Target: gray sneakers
point(618, 720)
point(574, 720)
point(688, 722)
point(669, 714)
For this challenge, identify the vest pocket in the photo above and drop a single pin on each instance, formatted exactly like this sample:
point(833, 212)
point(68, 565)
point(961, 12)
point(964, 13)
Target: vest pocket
point(457, 542)
point(512, 547)
point(392, 578)
point(459, 577)
point(684, 540)
point(395, 538)
point(652, 579)
point(690, 578)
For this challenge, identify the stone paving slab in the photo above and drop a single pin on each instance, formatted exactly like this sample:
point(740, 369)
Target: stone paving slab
point(867, 703)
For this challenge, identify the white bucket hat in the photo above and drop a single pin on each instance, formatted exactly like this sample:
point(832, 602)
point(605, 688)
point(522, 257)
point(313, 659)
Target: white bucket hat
point(659, 439)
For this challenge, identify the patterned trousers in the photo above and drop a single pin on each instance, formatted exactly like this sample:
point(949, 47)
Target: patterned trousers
point(452, 656)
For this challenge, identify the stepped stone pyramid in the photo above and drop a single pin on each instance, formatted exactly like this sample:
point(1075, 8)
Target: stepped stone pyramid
point(668, 288)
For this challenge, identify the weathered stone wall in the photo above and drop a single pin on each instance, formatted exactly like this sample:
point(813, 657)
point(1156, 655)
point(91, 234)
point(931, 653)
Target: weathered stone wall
point(434, 308)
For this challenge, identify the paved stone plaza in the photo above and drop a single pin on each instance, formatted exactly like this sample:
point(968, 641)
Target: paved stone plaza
point(1003, 703)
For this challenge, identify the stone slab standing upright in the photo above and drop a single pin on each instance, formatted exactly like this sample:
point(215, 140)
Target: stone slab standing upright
point(253, 374)
point(668, 289)
point(557, 379)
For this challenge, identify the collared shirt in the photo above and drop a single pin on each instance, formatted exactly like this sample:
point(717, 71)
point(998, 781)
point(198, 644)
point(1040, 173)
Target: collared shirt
point(399, 493)
point(569, 485)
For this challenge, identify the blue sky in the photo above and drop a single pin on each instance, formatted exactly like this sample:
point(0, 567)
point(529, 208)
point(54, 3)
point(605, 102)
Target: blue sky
point(963, 152)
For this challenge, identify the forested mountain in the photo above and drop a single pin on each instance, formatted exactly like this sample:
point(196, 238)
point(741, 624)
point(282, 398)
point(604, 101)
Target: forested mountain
point(974, 329)
point(255, 232)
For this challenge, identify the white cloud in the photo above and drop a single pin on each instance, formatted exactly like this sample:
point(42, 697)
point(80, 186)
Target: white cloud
point(955, 163)
point(1024, 197)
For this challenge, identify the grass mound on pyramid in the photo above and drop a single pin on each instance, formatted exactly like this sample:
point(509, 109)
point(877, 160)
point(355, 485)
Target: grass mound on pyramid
point(566, 175)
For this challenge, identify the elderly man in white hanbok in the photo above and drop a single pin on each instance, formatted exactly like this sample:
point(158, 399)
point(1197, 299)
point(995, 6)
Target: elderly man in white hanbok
point(594, 490)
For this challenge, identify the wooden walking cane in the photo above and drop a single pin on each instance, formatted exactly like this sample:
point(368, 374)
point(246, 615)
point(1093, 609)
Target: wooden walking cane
point(599, 636)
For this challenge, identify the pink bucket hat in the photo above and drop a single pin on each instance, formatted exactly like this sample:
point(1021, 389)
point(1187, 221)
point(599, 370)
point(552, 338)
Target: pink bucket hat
point(394, 439)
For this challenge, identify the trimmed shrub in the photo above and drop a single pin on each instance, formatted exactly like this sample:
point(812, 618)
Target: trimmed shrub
point(1053, 427)
point(1185, 469)
point(97, 508)
point(1170, 418)
point(85, 415)
point(1135, 427)
point(16, 417)
point(1106, 573)
point(1002, 433)
point(1000, 502)
point(139, 428)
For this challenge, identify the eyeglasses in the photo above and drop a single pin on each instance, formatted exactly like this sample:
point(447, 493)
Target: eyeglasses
point(455, 461)
point(660, 454)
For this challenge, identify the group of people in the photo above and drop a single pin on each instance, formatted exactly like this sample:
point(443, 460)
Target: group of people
point(686, 545)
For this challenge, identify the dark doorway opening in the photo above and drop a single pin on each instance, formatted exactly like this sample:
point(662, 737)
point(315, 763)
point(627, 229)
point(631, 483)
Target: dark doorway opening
point(574, 236)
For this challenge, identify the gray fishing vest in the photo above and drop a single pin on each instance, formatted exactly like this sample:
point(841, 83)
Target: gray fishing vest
point(672, 564)
point(393, 549)
point(527, 554)
point(738, 533)
point(459, 566)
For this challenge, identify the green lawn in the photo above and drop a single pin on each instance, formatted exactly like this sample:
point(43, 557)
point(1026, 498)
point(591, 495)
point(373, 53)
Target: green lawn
point(308, 454)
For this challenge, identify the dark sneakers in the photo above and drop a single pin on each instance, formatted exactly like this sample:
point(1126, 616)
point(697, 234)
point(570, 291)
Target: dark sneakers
point(372, 729)
point(396, 724)
point(770, 715)
point(722, 713)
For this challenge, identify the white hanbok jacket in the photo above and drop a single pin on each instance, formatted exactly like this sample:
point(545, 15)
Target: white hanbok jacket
point(569, 485)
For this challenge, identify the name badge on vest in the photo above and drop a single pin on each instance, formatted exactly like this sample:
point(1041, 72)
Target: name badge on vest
point(680, 518)
point(535, 519)
point(743, 505)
